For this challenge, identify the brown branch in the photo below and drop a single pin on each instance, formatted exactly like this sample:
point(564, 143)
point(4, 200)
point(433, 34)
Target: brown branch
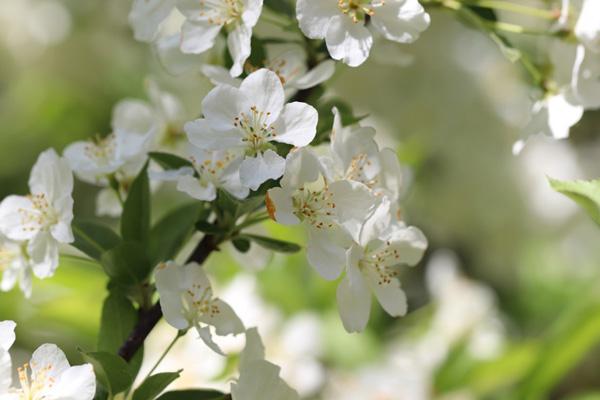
point(149, 318)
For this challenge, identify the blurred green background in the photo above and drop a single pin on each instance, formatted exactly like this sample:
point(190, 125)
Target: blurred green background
point(450, 104)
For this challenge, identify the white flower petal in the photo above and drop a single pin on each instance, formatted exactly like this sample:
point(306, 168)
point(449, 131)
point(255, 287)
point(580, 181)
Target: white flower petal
point(201, 134)
point(219, 75)
point(5, 372)
point(280, 205)
point(264, 90)
point(75, 383)
point(176, 62)
point(256, 170)
point(206, 336)
point(146, 17)
point(389, 294)
point(347, 41)
point(51, 176)
point(401, 20)
point(48, 362)
point(302, 167)
point(43, 250)
point(238, 43)
point(353, 200)
point(18, 219)
point(108, 203)
point(587, 28)
point(314, 16)
point(260, 380)
point(408, 242)
point(7, 334)
point(225, 321)
point(586, 78)
point(168, 283)
point(198, 36)
point(223, 105)
point(197, 189)
point(297, 124)
point(353, 296)
point(326, 251)
point(315, 76)
point(562, 115)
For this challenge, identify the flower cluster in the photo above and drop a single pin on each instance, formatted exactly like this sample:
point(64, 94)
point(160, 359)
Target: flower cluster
point(567, 97)
point(347, 199)
point(47, 376)
point(33, 226)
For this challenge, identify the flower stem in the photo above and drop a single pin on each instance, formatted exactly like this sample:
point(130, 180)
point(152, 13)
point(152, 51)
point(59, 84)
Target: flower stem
point(513, 7)
point(164, 354)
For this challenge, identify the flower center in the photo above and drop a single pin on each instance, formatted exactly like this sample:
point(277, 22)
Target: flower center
point(41, 216)
point(382, 263)
point(283, 71)
point(258, 133)
point(221, 12)
point(358, 10)
point(211, 169)
point(198, 300)
point(34, 389)
point(101, 150)
point(315, 207)
point(356, 171)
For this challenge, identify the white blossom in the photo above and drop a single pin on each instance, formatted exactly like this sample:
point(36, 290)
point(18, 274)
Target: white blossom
point(329, 211)
point(355, 156)
point(47, 376)
point(290, 67)
point(585, 82)
point(587, 28)
point(250, 118)
point(343, 24)
point(146, 17)
point(205, 19)
point(212, 170)
point(552, 116)
point(187, 301)
point(15, 266)
point(259, 379)
point(43, 218)
point(372, 265)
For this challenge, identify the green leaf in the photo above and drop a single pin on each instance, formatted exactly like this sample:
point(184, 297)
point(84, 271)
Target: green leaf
point(241, 244)
point(273, 244)
point(281, 6)
point(126, 264)
point(93, 238)
point(135, 221)
point(154, 385)
point(584, 193)
point(170, 161)
point(575, 333)
point(118, 319)
point(193, 395)
point(170, 234)
point(111, 370)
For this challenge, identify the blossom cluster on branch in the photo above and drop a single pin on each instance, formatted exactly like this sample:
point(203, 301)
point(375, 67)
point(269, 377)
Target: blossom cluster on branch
point(265, 144)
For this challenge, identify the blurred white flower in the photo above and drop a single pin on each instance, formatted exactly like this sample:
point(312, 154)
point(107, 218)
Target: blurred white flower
point(545, 158)
point(585, 82)
point(249, 118)
point(187, 301)
point(15, 266)
point(343, 24)
point(27, 27)
point(204, 21)
point(43, 218)
point(587, 28)
point(259, 379)
point(553, 116)
point(47, 376)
